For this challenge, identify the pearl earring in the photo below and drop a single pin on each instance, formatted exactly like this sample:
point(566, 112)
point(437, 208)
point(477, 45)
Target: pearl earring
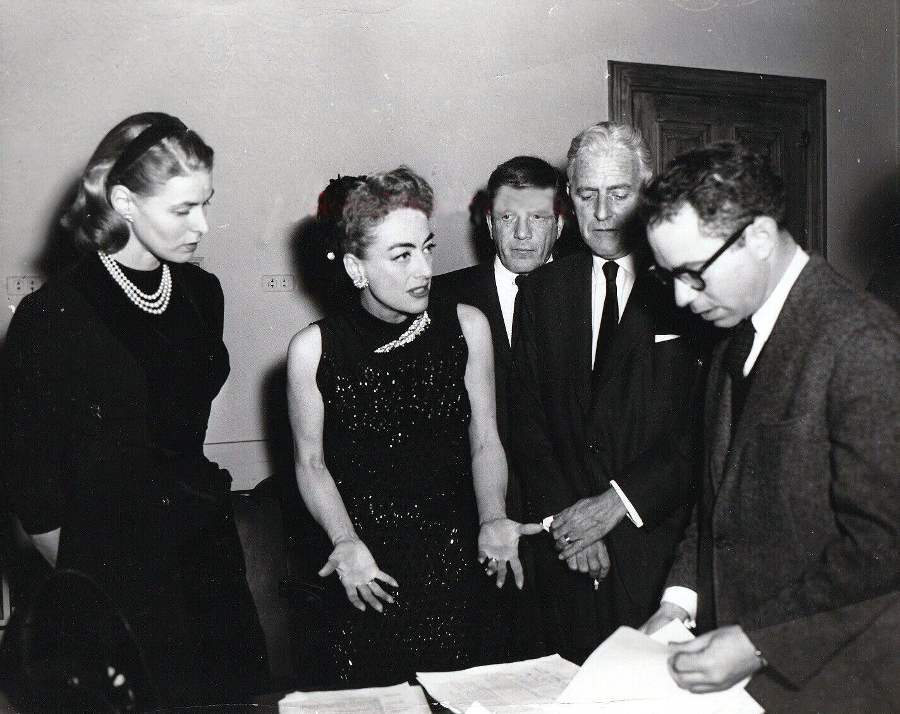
point(360, 282)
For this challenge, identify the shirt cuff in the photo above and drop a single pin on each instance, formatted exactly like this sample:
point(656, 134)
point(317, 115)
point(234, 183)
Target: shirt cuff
point(686, 599)
point(633, 515)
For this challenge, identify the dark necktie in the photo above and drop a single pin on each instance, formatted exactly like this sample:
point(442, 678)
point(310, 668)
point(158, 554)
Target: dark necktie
point(520, 278)
point(609, 319)
point(733, 360)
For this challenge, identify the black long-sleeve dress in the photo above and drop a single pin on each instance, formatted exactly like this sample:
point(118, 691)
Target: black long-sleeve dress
point(396, 443)
point(105, 413)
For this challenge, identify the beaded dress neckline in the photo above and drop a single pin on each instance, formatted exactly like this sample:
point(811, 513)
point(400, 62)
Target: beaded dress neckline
point(375, 332)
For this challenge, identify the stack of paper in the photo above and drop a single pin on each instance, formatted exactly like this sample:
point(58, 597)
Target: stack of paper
point(521, 687)
point(628, 674)
point(401, 699)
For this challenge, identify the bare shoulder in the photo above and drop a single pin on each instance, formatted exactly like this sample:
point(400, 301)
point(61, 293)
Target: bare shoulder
point(470, 317)
point(305, 348)
point(475, 327)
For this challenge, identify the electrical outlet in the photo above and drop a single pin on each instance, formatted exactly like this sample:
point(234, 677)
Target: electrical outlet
point(17, 285)
point(277, 283)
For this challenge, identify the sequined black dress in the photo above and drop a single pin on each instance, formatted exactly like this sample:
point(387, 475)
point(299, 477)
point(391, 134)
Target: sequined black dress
point(397, 445)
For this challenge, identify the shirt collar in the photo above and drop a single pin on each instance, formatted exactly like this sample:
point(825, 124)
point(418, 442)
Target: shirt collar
point(505, 274)
point(764, 319)
point(626, 263)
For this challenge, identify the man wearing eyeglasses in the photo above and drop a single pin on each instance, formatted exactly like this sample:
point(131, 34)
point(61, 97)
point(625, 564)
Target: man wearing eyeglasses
point(601, 419)
point(795, 551)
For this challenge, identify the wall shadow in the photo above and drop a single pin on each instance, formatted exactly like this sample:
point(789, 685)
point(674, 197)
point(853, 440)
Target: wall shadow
point(59, 249)
point(878, 247)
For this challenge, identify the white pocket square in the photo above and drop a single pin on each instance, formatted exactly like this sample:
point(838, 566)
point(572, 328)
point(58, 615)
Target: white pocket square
point(665, 338)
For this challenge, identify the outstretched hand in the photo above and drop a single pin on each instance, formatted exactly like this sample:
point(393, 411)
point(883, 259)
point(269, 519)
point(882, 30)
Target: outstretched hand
point(498, 546)
point(359, 574)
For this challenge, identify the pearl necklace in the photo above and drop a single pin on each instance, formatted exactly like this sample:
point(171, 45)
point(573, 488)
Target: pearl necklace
point(416, 328)
point(156, 303)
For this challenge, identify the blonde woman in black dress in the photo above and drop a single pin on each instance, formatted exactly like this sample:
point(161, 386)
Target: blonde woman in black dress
point(108, 375)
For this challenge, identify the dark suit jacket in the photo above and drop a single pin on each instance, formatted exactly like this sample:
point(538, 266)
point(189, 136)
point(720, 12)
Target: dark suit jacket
point(798, 534)
point(637, 430)
point(477, 286)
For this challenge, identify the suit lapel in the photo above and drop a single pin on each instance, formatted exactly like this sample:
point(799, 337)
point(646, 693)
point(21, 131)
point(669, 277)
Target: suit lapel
point(577, 311)
point(718, 418)
point(494, 314)
point(772, 382)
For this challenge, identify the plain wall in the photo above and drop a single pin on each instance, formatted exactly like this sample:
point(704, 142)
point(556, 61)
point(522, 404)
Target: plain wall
point(290, 94)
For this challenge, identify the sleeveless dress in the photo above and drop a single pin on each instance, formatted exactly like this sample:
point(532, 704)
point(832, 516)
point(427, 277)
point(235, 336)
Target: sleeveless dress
point(396, 443)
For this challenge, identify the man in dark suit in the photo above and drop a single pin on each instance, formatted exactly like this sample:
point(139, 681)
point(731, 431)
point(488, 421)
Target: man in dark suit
point(524, 220)
point(600, 390)
point(795, 550)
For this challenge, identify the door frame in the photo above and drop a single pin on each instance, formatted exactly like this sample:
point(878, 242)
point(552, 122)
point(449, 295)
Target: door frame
point(626, 78)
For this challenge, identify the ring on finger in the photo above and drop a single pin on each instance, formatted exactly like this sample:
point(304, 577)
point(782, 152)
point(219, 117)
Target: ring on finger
point(567, 539)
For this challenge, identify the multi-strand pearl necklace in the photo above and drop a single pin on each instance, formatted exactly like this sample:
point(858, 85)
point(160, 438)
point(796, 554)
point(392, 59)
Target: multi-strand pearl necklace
point(416, 328)
point(156, 303)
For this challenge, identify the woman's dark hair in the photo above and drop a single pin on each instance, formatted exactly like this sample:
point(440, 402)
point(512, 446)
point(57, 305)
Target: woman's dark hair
point(142, 162)
point(372, 200)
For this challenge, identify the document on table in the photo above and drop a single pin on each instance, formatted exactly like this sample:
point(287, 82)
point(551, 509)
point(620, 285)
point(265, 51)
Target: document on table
point(520, 687)
point(628, 674)
point(400, 699)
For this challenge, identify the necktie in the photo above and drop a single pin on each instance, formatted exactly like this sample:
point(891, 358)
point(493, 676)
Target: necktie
point(609, 319)
point(739, 345)
point(735, 357)
point(520, 278)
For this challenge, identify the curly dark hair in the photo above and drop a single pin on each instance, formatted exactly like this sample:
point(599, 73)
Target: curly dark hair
point(372, 200)
point(725, 183)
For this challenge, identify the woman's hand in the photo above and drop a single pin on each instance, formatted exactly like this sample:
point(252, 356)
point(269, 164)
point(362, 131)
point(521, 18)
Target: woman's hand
point(498, 545)
point(358, 573)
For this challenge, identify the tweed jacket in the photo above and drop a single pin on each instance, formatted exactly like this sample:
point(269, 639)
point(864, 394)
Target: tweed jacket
point(797, 533)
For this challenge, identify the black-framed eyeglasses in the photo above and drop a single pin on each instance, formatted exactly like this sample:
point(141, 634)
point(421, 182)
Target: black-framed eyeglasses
point(694, 278)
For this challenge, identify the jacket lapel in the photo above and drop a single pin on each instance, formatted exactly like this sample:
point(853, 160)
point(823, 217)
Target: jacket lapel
point(772, 381)
point(718, 418)
point(577, 313)
point(494, 314)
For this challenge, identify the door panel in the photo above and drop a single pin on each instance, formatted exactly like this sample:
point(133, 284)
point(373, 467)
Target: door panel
point(680, 108)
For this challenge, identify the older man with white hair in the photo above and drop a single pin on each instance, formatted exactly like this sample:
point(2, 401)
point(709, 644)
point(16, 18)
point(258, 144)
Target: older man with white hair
point(603, 393)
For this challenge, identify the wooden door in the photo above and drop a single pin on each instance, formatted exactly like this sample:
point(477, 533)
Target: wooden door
point(681, 108)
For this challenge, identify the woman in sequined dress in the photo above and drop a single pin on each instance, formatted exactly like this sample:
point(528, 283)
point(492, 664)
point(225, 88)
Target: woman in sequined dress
point(397, 453)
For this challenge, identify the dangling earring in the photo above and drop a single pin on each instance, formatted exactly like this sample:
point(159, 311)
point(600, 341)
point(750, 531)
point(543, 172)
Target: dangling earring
point(360, 282)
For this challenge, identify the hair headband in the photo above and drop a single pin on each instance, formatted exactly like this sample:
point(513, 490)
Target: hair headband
point(139, 145)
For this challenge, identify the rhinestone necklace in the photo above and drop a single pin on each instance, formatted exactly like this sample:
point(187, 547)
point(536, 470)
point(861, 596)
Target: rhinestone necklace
point(156, 303)
point(416, 328)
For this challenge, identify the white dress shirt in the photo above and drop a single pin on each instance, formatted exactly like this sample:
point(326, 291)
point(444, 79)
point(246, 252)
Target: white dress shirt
point(506, 291)
point(624, 283)
point(763, 321)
